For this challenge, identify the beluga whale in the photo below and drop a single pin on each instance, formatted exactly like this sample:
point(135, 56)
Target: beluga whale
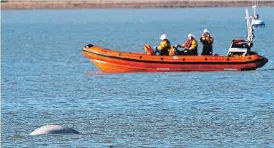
point(53, 129)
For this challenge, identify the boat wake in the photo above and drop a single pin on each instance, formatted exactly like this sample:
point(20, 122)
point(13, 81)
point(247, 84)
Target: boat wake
point(96, 73)
point(270, 69)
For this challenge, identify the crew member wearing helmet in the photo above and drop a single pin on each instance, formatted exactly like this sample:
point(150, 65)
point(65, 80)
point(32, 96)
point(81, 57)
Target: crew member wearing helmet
point(190, 46)
point(207, 41)
point(164, 46)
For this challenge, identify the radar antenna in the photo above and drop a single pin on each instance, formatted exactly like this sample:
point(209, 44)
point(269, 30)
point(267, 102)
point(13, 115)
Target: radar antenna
point(253, 22)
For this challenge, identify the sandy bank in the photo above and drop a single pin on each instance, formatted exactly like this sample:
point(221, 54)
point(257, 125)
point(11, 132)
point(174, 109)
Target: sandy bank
point(125, 4)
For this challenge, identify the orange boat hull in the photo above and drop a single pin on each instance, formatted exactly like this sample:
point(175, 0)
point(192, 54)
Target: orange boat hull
point(116, 62)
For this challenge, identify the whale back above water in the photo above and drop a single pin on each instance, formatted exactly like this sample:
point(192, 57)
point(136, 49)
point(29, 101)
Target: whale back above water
point(53, 129)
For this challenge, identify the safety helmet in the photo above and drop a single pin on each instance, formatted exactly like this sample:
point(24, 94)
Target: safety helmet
point(163, 37)
point(190, 35)
point(206, 31)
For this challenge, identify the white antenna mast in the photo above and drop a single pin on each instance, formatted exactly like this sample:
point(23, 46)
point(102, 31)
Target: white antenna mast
point(255, 22)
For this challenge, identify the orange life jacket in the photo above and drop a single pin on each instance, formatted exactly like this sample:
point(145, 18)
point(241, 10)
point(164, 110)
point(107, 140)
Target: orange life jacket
point(207, 39)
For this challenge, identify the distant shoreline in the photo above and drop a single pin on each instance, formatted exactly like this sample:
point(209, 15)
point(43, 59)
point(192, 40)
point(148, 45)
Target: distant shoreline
point(13, 5)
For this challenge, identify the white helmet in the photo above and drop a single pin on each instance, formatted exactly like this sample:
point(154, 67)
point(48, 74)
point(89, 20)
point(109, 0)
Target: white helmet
point(190, 35)
point(206, 31)
point(163, 37)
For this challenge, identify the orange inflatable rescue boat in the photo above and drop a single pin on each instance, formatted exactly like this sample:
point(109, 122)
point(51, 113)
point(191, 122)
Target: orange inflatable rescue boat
point(113, 61)
point(239, 57)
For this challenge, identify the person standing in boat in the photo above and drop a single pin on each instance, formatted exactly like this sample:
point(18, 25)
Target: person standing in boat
point(164, 47)
point(190, 46)
point(207, 41)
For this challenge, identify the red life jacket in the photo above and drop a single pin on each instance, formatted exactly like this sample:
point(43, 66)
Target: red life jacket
point(188, 43)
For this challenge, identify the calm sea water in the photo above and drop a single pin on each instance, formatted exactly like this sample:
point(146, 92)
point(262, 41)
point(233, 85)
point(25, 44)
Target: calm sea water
point(46, 80)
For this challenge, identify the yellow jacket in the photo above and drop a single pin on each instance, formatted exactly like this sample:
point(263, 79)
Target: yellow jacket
point(190, 44)
point(164, 45)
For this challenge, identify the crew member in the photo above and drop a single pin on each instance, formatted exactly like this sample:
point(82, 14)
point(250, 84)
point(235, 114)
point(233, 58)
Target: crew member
point(207, 41)
point(190, 46)
point(163, 48)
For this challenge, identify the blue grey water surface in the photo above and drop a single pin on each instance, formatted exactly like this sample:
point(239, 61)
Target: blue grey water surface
point(46, 80)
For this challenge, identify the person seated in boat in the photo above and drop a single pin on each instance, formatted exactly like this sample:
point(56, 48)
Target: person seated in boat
point(207, 41)
point(190, 46)
point(163, 48)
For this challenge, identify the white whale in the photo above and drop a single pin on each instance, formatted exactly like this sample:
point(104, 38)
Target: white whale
point(53, 129)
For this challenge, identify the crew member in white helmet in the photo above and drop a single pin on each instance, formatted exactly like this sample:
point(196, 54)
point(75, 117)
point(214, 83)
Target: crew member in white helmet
point(207, 41)
point(190, 46)
point(164, 47)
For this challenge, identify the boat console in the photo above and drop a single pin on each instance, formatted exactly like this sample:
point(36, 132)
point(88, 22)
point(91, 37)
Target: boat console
point(243, 47)
point(239, 48)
